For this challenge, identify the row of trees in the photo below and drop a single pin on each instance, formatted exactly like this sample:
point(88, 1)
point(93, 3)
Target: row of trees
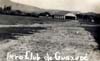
point(90, 17)
point(8, 11)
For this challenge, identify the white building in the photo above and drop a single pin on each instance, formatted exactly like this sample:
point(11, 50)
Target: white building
point(65, 16)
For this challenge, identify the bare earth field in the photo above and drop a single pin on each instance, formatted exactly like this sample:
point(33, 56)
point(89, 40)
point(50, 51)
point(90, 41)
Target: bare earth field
point(54, 37)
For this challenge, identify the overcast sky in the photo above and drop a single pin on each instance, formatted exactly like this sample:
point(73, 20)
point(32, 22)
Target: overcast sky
point(73, 5)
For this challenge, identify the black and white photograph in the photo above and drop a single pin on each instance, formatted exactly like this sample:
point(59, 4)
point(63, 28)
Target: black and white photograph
point(49, 30)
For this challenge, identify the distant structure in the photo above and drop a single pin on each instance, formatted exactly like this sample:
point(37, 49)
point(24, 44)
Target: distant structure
point(70, 16)
point(65, 16)
point(87, 17)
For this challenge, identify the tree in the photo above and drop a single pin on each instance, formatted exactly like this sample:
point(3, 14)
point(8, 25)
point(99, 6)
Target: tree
point(45, 14)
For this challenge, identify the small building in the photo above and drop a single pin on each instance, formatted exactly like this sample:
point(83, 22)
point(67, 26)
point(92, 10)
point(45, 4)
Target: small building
point(87, 17)
point(65, 16)
point(70, 16)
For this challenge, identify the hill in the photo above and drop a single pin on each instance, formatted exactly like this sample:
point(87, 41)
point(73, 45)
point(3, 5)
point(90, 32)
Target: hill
point(18, 6)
